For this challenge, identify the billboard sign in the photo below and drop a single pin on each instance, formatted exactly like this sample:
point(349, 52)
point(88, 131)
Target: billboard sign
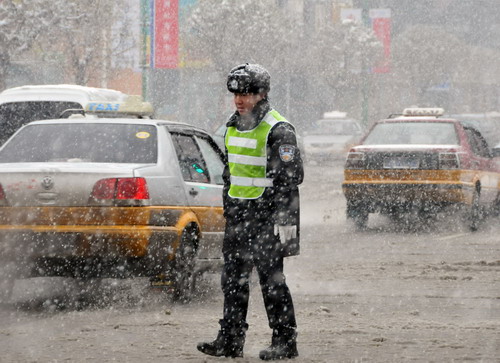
point(381, 25)
point(165, 34)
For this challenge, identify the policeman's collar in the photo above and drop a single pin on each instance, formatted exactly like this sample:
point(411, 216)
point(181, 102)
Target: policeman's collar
point(258, 113)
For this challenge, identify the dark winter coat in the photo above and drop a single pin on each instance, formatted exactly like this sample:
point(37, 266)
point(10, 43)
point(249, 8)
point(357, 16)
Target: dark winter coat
point(250, 222)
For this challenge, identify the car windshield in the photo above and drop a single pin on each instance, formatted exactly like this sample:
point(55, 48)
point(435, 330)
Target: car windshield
point(337, 127)
point(413, 133)
point(16, 114)
point(98, 143)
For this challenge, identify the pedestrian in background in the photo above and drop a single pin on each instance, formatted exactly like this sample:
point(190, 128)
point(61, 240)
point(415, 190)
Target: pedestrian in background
point(262, 172)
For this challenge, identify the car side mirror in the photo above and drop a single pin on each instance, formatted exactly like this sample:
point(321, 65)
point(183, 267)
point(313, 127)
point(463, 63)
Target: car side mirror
point(495, 152)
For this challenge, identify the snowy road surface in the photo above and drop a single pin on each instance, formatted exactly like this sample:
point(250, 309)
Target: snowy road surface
point(388, 294)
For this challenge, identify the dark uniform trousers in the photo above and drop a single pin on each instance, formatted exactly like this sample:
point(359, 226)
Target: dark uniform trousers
point(249, 244)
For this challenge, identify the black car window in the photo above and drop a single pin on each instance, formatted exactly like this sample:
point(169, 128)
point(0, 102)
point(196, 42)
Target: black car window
point(91, 142)
point(213, 158)
point(13, 115)
point(477, 143)
point(191, 162)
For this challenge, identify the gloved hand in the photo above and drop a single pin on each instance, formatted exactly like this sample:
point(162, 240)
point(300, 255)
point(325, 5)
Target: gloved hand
point(286, 233)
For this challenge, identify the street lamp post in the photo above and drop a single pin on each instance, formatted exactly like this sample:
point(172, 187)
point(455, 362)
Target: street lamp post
point(145, 22)
point(364, 72)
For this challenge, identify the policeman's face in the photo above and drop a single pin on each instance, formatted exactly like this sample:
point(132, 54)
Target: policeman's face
point(245, 102)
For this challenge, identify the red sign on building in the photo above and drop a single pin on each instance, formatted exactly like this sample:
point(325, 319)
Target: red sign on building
point(165, 34)
point(381, 24)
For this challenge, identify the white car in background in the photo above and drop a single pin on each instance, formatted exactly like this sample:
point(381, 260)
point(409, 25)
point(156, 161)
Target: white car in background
point(331, 137)
point(486, 122)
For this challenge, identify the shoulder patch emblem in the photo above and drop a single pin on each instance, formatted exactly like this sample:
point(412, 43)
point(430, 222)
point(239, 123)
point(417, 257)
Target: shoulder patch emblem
point(287, 152)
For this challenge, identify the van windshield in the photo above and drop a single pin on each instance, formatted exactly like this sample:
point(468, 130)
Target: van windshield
point(13, 115)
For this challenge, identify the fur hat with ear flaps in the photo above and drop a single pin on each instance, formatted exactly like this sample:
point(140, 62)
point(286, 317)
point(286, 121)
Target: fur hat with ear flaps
point(249, 78)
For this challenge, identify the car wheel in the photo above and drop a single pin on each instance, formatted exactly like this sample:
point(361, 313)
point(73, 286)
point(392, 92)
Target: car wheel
point(358, 214)
point(185, 262)
point(475, 212)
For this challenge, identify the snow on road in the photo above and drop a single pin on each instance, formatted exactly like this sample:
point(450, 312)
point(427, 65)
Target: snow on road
point(387, 294)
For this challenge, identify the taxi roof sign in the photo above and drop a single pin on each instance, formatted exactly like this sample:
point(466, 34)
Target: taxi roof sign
point(423, 111)
point(133, 105)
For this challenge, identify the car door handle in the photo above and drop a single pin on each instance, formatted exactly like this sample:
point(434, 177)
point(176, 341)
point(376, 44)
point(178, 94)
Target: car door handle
point(193, 192)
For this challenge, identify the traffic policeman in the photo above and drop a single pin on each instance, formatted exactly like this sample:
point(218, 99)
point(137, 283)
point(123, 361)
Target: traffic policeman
point(262, 172)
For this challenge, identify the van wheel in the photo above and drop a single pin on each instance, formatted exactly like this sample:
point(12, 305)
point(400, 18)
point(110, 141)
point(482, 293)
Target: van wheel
point(185, 263)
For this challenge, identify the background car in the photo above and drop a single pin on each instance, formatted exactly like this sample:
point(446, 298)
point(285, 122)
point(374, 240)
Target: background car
point(420, 162)
point(331, 137)
point(92, 198)
point(486, 122)
point(218, 136)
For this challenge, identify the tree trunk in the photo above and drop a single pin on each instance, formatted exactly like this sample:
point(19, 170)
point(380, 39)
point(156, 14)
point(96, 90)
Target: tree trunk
point(4, 67)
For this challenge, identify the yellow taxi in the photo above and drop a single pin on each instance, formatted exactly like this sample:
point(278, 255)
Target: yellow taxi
point(92, 197)
point(419, 161)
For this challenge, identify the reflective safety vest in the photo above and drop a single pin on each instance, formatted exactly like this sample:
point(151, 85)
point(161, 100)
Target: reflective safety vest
point(247, 157)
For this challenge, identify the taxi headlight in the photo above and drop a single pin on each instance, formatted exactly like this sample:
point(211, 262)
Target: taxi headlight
point(355, 160)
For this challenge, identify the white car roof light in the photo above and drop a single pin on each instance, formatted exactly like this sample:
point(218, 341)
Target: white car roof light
point(423, 111)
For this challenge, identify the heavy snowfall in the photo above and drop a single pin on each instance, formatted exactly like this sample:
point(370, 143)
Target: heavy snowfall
point(405, 290)
point(392, 293)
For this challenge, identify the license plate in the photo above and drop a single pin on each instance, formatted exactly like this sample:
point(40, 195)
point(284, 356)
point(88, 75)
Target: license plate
point(401, 163)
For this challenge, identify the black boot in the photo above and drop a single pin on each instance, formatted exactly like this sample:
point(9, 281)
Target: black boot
point(229, 342)
point(283, 345)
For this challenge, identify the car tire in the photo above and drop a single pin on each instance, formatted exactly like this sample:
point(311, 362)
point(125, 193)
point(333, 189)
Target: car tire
point(185, 263)
point(475, 214)
point(358, 214)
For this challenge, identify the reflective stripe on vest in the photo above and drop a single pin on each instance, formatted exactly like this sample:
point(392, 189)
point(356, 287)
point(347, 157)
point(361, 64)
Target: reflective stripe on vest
point(247, 158)
point(247, 182)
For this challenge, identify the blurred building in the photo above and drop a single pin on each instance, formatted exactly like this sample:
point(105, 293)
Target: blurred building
point(473, 87)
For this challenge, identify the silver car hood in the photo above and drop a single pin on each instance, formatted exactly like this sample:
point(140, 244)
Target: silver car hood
point(56, 184)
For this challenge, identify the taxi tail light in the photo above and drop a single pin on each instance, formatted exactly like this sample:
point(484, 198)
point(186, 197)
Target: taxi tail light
point(355, 160)
point(449, 161)
point(104, 189)
point(121, 188)
point(132, 188)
